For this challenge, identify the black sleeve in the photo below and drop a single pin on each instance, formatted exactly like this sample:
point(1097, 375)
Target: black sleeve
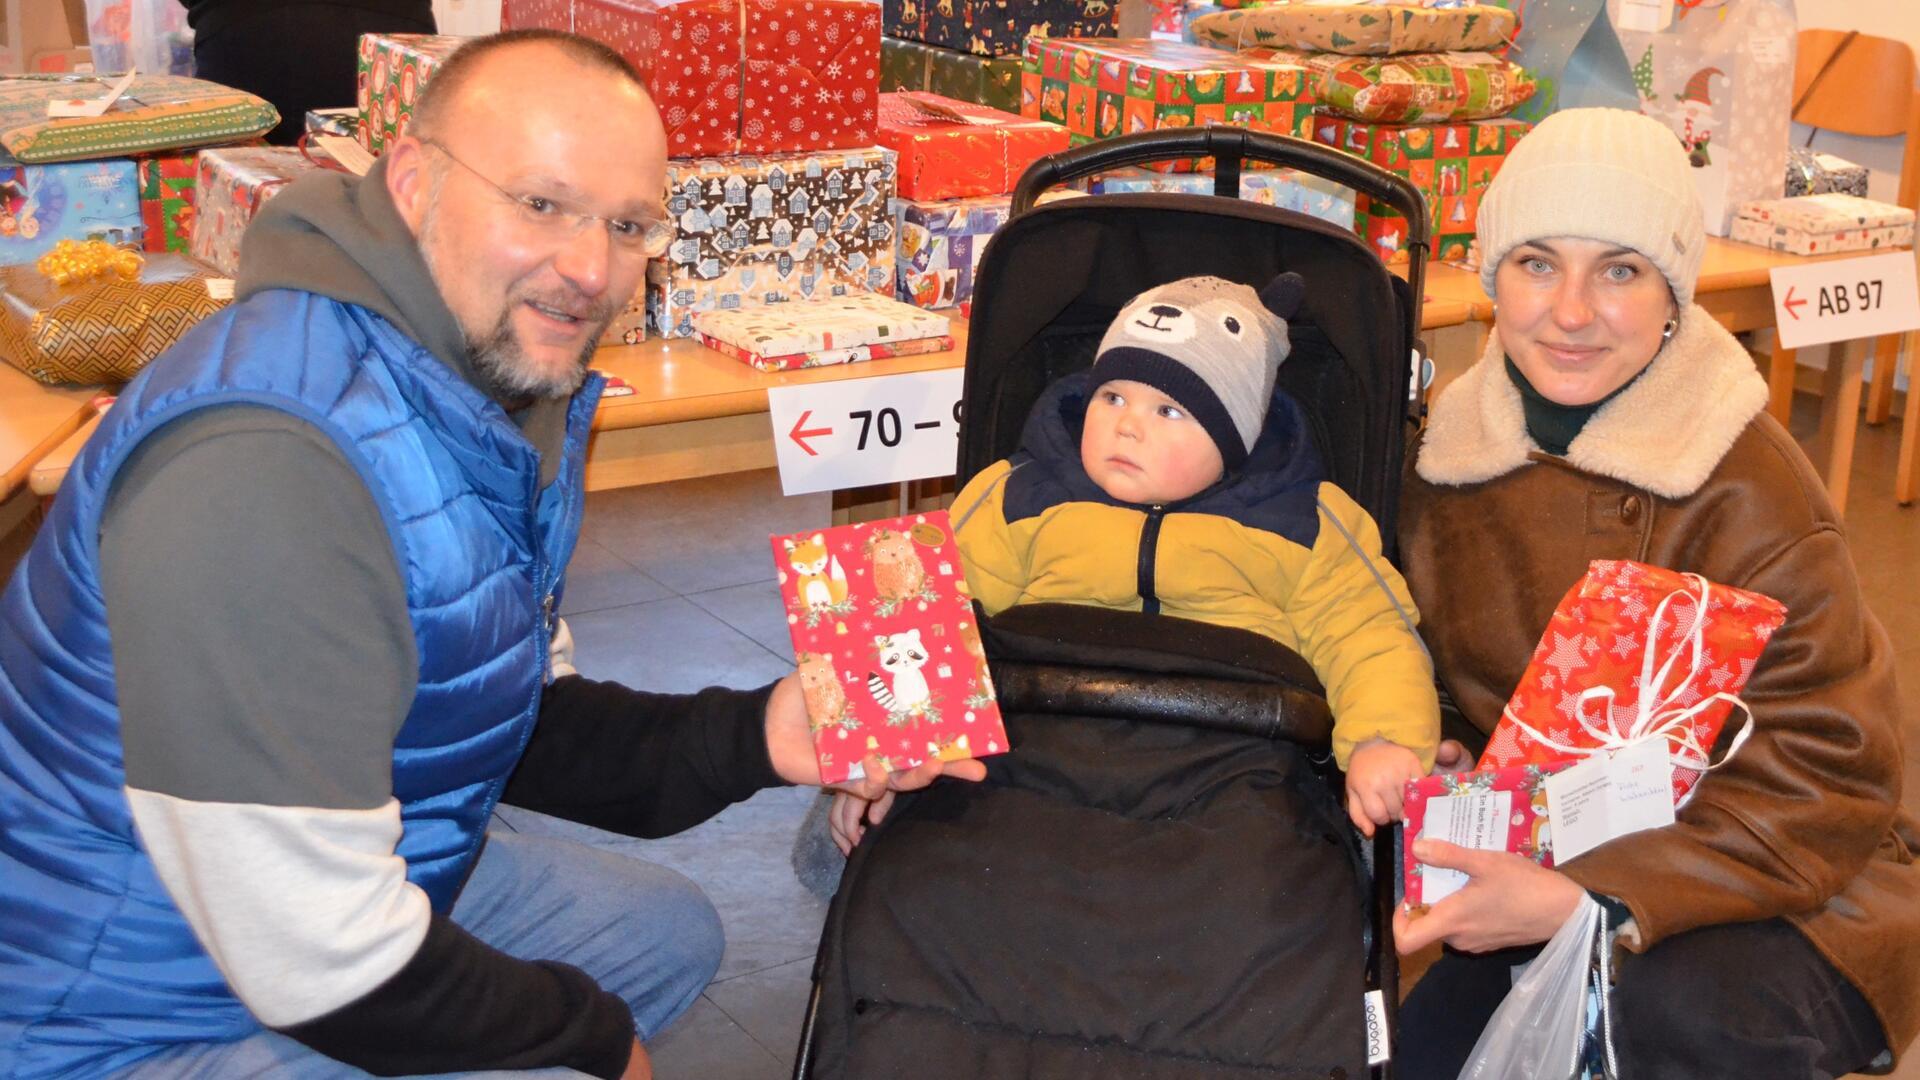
point(461, 1005)
point(643, 764)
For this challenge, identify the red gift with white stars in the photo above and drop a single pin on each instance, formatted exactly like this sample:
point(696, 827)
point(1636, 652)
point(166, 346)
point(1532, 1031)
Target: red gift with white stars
point(1636, 651)
point(739, 76)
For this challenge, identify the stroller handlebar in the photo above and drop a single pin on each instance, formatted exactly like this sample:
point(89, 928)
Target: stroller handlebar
point(1263, 710)
point(1229, 147)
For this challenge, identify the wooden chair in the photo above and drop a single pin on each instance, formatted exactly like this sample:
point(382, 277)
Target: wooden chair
point(1848, 93)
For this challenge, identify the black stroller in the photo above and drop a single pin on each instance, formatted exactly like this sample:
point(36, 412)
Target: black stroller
point(1160, 880)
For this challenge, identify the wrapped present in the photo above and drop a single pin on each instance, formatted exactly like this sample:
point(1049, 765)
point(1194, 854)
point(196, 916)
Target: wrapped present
point(1288, 189)
point(167, 184)
point(157, 112)
point(889, 655)
point(393, 68)
point(41, 205)
point(232, 185)
point(941, 244)
point(982, 80)
point(1451, 164)
point(1810, 172)
point(629, 325)
point(342, 122)
point(1359, 29)
point(765, 230)
point(1496, 810)
point(1817, 224)
point(740, 76)
point(102, 327)
point(1100, 89)
point(822, 325)
point(952, 150)
point(998, 27)
point(852, 354)
point(1636, 652)
point(1412, 88)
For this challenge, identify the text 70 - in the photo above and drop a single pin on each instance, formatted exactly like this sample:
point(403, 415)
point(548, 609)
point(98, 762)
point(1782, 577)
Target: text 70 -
point(885, 425)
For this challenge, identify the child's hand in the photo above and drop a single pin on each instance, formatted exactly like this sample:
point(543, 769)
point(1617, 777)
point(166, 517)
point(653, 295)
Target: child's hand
point(848, 818)
point(1377, 774)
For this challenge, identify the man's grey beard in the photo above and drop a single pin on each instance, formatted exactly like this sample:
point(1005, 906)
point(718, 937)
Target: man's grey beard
point(497, 359)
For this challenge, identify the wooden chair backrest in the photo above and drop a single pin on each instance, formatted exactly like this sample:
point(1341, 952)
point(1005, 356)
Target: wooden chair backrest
point(1867, 90)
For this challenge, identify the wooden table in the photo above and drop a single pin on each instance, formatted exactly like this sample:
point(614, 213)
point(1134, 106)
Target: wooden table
point(35, 419)
point(695, 412)
point(1735, 288)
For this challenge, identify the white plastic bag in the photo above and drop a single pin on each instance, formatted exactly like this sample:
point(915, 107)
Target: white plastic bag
point(1537, 1033)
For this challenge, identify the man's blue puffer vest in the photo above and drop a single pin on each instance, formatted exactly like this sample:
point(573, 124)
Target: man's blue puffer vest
point(97, 966)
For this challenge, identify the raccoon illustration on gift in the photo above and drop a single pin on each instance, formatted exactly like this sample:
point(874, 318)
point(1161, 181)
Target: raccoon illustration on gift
point(898, 573)
point(903, 691)
point(820, 583)
point(827, 705)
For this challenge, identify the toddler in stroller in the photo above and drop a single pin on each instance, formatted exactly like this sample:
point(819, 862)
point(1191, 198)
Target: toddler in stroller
point(1160, 880)
point(1171, 478)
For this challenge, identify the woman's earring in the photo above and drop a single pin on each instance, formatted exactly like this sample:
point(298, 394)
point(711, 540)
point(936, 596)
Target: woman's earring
point(1666, 333)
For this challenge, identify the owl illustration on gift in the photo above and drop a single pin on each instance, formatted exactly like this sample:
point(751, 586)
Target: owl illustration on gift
point(820, 686)
point(903, 692)
point(821, 583)
point(898, 573)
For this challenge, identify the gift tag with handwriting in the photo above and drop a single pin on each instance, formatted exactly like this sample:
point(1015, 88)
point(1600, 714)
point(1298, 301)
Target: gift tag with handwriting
point(1608, 796)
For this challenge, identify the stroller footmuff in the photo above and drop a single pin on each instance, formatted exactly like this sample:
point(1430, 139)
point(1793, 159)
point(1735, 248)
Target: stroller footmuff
point(1120, 897)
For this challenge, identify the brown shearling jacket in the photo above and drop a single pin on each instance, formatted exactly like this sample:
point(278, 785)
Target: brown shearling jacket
point(1685, 470)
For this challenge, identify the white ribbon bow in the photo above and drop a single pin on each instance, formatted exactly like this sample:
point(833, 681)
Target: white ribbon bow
point(1657, 714)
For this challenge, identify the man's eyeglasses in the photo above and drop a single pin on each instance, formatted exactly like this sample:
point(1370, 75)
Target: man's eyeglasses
point(554, 219)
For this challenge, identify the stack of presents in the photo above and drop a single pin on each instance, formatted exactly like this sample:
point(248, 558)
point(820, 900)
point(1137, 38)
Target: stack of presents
point(849, 160)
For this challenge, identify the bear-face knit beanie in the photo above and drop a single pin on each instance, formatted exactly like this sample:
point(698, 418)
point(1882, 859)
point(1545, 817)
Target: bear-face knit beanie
point(1212, 345)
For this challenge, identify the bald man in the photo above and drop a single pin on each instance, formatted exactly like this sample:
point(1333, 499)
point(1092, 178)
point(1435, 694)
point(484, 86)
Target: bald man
point(289, 633)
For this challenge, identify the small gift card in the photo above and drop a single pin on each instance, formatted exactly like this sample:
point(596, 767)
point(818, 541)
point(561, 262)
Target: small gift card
point(1494, 810)
point(890, 659)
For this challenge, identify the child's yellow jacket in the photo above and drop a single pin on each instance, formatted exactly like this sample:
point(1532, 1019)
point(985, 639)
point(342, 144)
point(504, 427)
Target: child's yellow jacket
point(1257, 551)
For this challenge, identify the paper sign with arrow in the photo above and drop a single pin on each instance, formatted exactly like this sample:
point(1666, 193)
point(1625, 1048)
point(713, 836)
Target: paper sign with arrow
point(1845, 299)
point(851, 433)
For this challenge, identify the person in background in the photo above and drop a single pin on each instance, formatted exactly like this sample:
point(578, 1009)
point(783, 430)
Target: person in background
point(298, 54)
point(1774, 929)
point(288, 634)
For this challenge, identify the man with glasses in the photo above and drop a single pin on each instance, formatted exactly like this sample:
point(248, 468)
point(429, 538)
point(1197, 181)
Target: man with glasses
point(289, 633)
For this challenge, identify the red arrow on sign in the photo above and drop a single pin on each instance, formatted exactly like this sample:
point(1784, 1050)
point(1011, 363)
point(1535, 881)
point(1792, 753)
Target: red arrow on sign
point(801, 436)
point(1790, 304)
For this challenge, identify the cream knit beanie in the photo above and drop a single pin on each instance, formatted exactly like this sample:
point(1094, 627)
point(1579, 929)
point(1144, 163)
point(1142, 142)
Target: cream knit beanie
point(1598, 174)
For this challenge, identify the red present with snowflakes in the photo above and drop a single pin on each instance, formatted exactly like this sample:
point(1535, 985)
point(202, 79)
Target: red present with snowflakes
point(890, 660)
point(1636, 651)
point(393, 70)
point(739, 76)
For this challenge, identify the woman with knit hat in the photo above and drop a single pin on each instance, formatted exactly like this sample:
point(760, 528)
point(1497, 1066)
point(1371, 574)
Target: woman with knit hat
point(1774, 929)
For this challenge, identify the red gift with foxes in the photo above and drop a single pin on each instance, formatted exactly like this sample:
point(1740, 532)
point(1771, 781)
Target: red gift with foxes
point(890, 659)
point(1636, 651)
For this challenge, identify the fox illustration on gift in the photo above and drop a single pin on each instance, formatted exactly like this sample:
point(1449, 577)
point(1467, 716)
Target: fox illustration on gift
point(822, 584)
point(892, 669)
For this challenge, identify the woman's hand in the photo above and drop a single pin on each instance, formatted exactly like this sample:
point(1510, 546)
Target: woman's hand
point(1509, 900)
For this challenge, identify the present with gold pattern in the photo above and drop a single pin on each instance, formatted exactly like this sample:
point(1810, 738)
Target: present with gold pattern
point(102, 327)
point(1101, 89)
point(953, 150)
point(1359, 29)
point(157, 112)
point(1451, 164)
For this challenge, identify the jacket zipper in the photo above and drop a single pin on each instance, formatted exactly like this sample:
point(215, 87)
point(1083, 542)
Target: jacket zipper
point(1149, 545)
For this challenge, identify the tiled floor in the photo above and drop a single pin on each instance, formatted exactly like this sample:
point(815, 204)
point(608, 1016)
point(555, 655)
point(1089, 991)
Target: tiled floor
point(673, 589)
